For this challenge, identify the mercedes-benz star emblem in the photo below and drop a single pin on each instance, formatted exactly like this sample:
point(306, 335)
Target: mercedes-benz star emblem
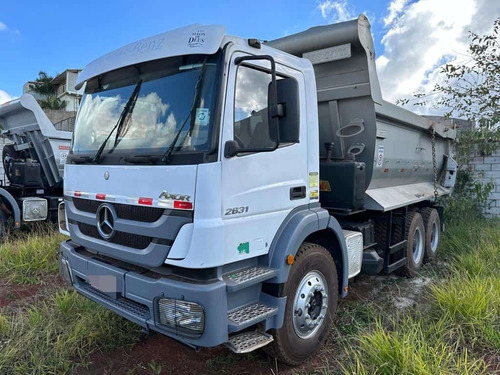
point(105, 221)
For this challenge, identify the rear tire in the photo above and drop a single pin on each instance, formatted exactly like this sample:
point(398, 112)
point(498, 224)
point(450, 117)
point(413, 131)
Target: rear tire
point(415, 248)
point(432, 225)
point(312, 293)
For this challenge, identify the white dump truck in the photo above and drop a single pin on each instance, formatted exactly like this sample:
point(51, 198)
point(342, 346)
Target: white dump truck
point(33, 163)
point(222, 190)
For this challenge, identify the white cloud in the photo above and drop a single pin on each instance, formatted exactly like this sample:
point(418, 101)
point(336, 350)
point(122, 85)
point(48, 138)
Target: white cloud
point(395, 8)
point(422, 36)
point(4, 97)
point(3, 26)
point(335, 11)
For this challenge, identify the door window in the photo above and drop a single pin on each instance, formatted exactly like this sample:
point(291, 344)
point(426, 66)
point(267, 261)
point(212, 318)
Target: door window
point(251, 127)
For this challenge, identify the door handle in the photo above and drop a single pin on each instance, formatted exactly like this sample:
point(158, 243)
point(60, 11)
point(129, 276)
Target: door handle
point(297, 192)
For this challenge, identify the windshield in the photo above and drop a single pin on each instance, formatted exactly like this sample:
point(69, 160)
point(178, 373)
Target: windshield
point(141, 112)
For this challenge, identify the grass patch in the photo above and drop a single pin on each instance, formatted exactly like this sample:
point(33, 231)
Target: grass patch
point(458, 330)
point(27, 259)
point(59, 334)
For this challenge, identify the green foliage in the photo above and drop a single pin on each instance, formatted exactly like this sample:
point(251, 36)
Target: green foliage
point(28, 259)
point(43, 86)
point(58, 335)
point(469, 199)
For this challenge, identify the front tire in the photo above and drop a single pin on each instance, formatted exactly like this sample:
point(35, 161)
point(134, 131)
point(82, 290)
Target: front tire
point(312, 294)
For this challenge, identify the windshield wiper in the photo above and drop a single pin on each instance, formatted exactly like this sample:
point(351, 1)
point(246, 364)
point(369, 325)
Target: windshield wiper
point(197, 97)
point(120, 121)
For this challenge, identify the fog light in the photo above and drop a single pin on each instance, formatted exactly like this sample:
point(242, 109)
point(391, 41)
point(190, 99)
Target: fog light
point(182, 315)
point(65, 269)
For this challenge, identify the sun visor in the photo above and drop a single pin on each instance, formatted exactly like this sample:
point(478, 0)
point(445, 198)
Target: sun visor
point(194, 39)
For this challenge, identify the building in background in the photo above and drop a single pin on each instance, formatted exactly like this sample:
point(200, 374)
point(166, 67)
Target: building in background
point(454, 123)
point(64, 86)
point(64, 89)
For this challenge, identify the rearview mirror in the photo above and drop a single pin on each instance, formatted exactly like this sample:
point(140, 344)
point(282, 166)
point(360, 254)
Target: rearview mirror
point(288, 99)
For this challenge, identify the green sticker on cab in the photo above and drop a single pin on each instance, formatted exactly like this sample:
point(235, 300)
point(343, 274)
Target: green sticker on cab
point(244, 247)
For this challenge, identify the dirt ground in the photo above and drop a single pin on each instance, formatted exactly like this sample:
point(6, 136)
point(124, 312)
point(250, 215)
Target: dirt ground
point(14, 295)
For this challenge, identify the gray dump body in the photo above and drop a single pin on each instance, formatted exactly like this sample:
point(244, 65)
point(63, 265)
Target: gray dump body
point(395, 144)
point(26, 125)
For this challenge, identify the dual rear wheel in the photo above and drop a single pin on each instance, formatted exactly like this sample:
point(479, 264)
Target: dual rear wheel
point(423, 229)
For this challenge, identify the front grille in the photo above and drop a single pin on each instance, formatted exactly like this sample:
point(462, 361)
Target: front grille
point(121, 303)
point(123, 211)
point(135, 241)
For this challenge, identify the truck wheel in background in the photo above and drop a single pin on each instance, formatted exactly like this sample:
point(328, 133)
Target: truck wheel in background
point(312, 293)
point(3, 225)
point(415, 248)
point(432, 225)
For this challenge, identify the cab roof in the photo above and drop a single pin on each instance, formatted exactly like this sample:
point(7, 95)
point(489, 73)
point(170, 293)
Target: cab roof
point(193, 39)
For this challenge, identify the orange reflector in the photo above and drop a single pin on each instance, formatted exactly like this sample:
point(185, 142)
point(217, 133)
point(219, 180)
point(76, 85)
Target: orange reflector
point(290, 259)
point(183, 205)
point(17, 223)
point(146, 201)
point(100, 196)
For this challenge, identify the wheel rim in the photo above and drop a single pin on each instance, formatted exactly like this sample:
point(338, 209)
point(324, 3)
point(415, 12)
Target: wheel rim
point(310, 304)
point(434, 237)
point(418, 247)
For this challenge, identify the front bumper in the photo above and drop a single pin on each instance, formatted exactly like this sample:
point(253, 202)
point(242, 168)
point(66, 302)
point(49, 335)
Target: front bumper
point(134, 295)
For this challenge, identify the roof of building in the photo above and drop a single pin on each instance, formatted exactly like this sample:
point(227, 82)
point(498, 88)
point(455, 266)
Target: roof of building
point(454, 123)
point(62, 76)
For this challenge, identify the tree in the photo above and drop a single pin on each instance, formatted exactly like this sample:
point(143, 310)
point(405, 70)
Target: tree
point(43, 86)
point(470, 89)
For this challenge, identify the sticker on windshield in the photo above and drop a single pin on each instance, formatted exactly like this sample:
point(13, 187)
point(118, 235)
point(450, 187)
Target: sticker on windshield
point(202, 116)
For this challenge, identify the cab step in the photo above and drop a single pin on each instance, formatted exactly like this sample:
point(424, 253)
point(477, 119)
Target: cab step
point(247, 342)
point(248, 276)
point(247, 316)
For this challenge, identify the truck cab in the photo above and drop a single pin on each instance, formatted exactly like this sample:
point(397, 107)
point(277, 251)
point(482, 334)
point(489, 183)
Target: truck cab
point(192, 195)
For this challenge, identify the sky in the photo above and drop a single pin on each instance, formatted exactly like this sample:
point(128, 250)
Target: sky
point(413, 38)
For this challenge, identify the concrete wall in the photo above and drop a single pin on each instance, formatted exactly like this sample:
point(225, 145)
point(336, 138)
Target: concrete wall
point(56, 116)
point(487, 168)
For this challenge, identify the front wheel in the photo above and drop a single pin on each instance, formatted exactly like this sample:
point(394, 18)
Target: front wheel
point(312, 293)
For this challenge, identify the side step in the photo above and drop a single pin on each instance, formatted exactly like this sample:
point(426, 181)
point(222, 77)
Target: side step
point(247, 342)
point(247, 316)
point(248, 276)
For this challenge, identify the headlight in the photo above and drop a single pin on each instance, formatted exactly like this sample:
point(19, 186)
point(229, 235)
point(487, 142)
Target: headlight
point(182, 315)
